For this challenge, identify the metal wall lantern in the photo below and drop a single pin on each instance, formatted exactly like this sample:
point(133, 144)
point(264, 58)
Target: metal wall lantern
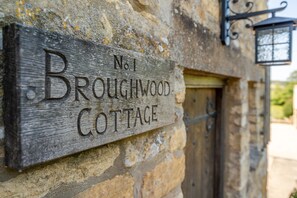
point(273, 39)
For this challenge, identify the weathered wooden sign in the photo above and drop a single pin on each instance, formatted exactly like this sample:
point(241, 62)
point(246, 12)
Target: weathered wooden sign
point(63, 95)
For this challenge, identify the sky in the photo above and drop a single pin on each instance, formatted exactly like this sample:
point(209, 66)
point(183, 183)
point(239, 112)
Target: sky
point(283, 72)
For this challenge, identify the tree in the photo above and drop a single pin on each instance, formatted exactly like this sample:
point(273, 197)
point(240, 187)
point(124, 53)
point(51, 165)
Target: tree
point(277, 95)
point(282, 95)
point(292, 77)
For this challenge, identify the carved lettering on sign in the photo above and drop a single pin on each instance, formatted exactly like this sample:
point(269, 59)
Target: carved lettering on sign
point(65, 95)
point(50, 74)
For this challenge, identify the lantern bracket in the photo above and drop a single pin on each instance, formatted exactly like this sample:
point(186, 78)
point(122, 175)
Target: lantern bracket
point(229, 20)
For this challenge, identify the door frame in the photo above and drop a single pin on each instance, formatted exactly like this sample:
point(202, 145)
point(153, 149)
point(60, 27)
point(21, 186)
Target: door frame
point(199, 82)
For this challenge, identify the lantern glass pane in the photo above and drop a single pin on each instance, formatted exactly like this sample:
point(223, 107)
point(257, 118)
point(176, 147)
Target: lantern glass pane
point(264, 53)
point(273, 44)
point(281, 52)
point(265, 37)
point(281, 35)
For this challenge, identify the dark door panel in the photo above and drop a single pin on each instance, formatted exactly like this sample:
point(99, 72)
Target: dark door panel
point(200, 116)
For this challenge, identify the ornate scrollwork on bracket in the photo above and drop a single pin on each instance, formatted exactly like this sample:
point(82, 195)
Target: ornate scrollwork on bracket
point(249, 5)
point(234, 34)
point(228, 21)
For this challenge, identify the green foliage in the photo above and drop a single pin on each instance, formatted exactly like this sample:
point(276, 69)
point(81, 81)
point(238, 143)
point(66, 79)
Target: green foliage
point(293, 194)
point(282, 98)
point(293, 77)
point(288, 108)
point(277, 96)
point(277, 112)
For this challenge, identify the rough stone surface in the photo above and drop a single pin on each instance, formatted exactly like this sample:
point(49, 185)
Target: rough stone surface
point(153, 181)
point(180, 89)
point(178, 139)
point(175, 193)
point(180, 97)
point(237, 162)
point(39, 181)
point(118, 187)
point(256, 107)
point(145, 147)
point(127, 24)
point(243, 122)
point(258, 178)
point(149, 145)
point(185, 31)
point(150, 29)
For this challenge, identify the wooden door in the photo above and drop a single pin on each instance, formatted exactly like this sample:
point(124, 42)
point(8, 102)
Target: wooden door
point(201, 116)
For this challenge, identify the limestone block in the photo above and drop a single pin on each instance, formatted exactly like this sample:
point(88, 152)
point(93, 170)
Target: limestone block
point(241, 121)
point(164, 177)
point(138, 26)
point(179, 113)
point(245, 142)
point(240, 109)
point(254, 139)
point(108, 29)
point(253, 118)
point(179, 85)
point(145, 147)
point(120, 186)
point(37, 182)
point(148, 2)
point(176, 193)
point(180, 97)
point(234, 140)
point(244, 169)
point(253, 128)
point(233, 179)
point(131, 155)
point(178, 139)
point(236, 109)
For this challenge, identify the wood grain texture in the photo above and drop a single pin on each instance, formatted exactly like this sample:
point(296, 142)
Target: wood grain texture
point(201, 160)
point(63, 95)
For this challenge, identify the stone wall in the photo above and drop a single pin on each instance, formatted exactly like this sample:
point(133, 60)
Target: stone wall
point(151, 164)
point(258, 153)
